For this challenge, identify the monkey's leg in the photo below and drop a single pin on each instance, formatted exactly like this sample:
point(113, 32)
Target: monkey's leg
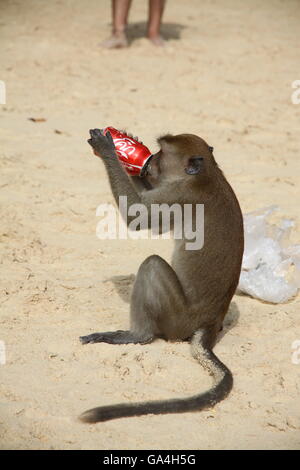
point(156, 304)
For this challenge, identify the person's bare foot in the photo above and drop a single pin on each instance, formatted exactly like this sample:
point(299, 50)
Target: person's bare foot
point(117, 40)
point(156, 40)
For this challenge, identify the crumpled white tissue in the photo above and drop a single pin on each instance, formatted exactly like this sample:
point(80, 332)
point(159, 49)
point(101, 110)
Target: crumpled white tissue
point(271, 267)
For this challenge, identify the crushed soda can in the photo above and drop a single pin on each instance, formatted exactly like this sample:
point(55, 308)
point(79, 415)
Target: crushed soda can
point(133, 154)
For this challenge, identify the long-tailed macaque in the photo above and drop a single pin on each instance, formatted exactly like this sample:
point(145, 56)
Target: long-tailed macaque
point(189, 298)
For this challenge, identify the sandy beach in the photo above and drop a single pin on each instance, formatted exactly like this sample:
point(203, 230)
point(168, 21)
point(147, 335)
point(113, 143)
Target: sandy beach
point(225, 73)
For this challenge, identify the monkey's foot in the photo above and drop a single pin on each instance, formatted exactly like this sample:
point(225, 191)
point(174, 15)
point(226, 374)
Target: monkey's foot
point(116, 41)
point(115, 337)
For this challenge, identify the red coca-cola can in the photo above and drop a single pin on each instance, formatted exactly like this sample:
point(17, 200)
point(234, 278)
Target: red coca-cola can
point(133, 155)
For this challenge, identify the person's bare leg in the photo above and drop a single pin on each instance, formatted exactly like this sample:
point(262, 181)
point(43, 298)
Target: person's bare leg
point(156, 9)
point(120, 10)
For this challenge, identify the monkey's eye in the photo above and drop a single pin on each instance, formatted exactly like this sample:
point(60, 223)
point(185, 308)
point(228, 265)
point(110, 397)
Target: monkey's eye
point(195, 165)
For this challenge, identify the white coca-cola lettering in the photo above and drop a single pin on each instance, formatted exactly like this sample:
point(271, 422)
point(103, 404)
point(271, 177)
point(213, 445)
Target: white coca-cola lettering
point(130, 152)
point(124, 146)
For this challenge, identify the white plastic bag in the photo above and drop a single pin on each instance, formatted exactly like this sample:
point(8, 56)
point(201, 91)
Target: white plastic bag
point(270, 268)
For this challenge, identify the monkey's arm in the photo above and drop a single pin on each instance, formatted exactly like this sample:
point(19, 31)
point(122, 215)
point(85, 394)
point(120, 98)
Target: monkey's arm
point(122, 184)
point(104, 147)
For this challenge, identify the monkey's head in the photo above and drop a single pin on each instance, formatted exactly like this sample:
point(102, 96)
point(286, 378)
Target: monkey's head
point(180, 157)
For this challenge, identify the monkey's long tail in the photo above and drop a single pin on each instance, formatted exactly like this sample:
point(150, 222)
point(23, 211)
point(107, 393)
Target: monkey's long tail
point(223, 382)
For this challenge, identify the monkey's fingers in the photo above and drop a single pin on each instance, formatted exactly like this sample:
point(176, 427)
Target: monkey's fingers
point(96, 133)
point(95, 153)
point(132, 136)
point(99, 140)
point(103, 145)
point(110, 139)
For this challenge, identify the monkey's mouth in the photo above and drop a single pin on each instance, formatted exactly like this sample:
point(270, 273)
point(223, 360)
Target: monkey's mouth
point(146, 168)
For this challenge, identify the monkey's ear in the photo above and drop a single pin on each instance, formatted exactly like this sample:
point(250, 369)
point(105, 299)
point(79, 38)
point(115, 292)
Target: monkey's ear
point(195, 165)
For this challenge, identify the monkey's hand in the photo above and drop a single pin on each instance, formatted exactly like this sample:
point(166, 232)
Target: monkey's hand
point(103, 145)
